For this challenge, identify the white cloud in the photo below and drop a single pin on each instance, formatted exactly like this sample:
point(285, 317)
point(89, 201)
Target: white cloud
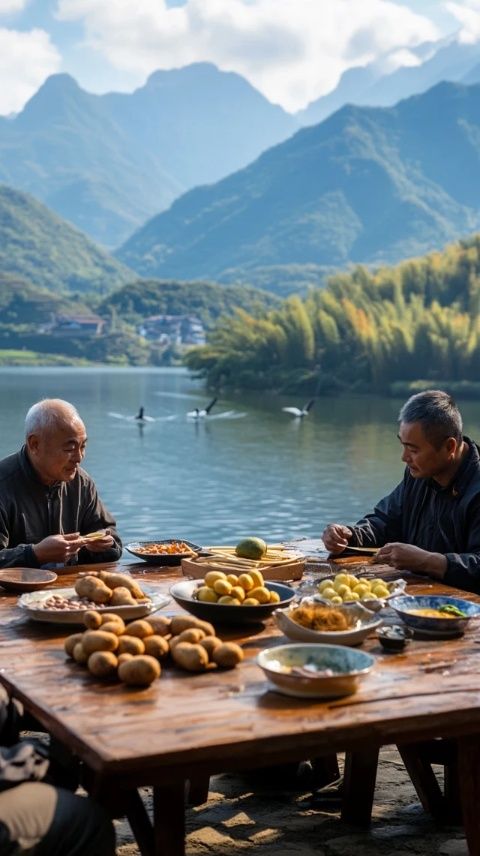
point(468, 16)
point(26, 59)
point(292, 50)
point(9, 6)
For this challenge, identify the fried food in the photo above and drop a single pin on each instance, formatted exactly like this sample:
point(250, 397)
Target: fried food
point(320, 618)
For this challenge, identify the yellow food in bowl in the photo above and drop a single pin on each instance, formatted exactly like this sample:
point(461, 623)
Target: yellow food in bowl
point(345, 588)
point(232, 590)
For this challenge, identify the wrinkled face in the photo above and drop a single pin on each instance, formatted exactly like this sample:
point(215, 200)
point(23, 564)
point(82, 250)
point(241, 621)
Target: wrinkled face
point(55, 454)
point(423, 459)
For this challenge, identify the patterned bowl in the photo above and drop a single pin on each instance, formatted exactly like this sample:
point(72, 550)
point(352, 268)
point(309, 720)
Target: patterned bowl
point(363, 622)
point(430, 625)
point(315, 671)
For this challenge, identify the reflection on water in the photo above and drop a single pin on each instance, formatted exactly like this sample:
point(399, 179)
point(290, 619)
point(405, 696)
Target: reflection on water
point(213, 481)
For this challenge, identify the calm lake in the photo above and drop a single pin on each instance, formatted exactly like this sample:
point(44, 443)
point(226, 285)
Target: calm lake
point(218, 479)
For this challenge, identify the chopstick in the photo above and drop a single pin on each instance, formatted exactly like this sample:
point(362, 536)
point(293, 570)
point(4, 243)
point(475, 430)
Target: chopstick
point(371, 550)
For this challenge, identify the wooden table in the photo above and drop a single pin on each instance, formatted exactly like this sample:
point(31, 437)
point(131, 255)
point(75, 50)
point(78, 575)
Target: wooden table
point(191, 726)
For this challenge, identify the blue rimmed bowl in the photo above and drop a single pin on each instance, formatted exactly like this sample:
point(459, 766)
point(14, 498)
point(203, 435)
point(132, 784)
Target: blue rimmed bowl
point(315, 671)
point(431, 625)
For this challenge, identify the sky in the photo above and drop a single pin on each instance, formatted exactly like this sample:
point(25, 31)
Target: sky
point(293, 51)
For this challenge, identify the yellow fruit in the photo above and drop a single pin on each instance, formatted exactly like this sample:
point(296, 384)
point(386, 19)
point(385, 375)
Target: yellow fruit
point(369, 596)
point(344, 591)
point(261, 594)
point(342, 579)
point(250, 601)
point(361, 590)
point(354, 596)
point(380, 591)
point(329, 593)
point(274, 597)
point(257, 577)
point(246, 582)
point(238, 592)
point(212, 576)
point(206, 594)
point(222, 587)
point(324, 585)
point(226, 600)
point(336, 599)
point(232, 579)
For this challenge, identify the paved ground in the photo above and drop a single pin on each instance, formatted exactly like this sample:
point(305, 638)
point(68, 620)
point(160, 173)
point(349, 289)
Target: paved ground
point(238, 819)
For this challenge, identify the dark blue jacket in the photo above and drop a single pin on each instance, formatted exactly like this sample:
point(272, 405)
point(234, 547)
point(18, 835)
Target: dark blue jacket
point(438, 519)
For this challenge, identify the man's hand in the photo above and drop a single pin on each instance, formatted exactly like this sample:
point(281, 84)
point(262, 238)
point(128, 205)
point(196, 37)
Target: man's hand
point(99, 545)
point(335, 537)
point(58, 548)
point(406, 557)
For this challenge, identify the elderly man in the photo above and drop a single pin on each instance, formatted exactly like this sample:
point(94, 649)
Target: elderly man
point(48, 503)
point(430, 523)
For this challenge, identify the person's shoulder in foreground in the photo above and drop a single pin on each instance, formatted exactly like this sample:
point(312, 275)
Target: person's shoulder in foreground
point(47, 502)
point(430, 522)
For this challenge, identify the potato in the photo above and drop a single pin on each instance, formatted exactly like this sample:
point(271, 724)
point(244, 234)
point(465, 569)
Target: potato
point(139, 628)
point(140, 671)
point(156, 646)
point(274, 597)
point(251, 601)
point(227, 655)
point(257, 578)
point(108, 617)
point(246, 582)
point(206, 594)
point(212, 576)
point(93, 589)
point(98, 640)
point(210, 643)
point(92, 619)
point(113, 627)
point(122, 597)
point(70, 643)
point(122, 658)
point(130, 645)
point(102, 664)
point(183, 622)
point(222, 587)
point(232, 579)
point(79, 654)
point(193, 658)
point(160, 624)
point(226, 600)
point(193, 635)
point(114, 580)
point(238, 593)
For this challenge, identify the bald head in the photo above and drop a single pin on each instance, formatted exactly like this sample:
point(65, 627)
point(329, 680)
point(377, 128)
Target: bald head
point(49, 415)
point(55, 440)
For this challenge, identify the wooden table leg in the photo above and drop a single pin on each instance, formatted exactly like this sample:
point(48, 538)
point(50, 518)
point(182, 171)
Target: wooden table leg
point(360, 774)
point(418, 766)
point(469, 784)
point(139, 821)
point(169, 819)
point(198, 790)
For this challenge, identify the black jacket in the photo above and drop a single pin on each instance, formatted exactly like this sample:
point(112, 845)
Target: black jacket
point(30, 511)
point(438, 519)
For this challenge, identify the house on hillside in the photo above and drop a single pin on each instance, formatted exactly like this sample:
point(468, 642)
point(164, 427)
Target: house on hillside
point(75, 325)
point(173, 330)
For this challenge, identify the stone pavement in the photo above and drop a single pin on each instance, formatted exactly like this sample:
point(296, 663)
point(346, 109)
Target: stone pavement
point(269, 822)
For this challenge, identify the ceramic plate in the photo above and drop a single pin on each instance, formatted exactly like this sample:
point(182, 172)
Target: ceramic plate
point(32, 605)
point(363, 622)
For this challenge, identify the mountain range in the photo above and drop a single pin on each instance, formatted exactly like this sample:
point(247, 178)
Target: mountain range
point(108, 162)
point(368, 185)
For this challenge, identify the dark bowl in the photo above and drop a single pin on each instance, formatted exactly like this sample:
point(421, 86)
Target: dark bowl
point(218, 613)
point(161, 558)
point(26, 579)
point(394, 637)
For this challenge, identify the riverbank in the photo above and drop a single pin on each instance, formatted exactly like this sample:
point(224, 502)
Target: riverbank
point(239, 818)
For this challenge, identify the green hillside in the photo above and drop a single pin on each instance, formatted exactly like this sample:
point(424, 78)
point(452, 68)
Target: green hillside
point(369, 185)
point(39, 247)
point(366, 331)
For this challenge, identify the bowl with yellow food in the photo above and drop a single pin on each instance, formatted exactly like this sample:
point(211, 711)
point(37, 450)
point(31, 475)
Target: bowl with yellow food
point(434, 615)
point(345, 624)
point(231, 599)
point(344, 588)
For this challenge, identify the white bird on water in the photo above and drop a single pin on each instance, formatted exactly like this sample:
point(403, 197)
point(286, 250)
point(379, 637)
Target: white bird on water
point(300, 413)
point(200, 414)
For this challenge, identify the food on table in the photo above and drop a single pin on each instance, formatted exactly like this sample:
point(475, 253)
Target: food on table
point(442, 612)
point(94, 589)
point(99, 588)
point(251, 548)
point(94, 536)
point(226, 559)
point(353, 560)
point(111, 646)
point(346, 587)
point(316, 617)
point(155, 549)
point(247, 589)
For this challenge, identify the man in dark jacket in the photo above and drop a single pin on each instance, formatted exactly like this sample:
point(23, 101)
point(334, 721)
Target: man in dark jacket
point(430, 523)
point(48, 504)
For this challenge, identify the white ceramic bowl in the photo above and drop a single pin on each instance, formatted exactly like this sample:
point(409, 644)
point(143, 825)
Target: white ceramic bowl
point(363, 623)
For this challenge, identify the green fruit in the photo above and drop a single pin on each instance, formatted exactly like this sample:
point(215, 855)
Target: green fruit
point(251, 548)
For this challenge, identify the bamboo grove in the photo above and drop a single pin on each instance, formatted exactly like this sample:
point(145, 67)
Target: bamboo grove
point(365, 330)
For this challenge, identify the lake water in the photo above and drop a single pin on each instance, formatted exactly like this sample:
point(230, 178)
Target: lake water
point(219, 479)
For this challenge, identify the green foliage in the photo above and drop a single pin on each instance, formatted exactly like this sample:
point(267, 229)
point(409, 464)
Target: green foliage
point(366, 331)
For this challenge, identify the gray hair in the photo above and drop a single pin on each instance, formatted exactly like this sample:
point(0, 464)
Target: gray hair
point(49, 413)
point(437, 413)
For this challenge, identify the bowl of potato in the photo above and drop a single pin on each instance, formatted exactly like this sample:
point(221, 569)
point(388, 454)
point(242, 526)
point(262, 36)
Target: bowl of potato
point(345, 588)
point(231, 598)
